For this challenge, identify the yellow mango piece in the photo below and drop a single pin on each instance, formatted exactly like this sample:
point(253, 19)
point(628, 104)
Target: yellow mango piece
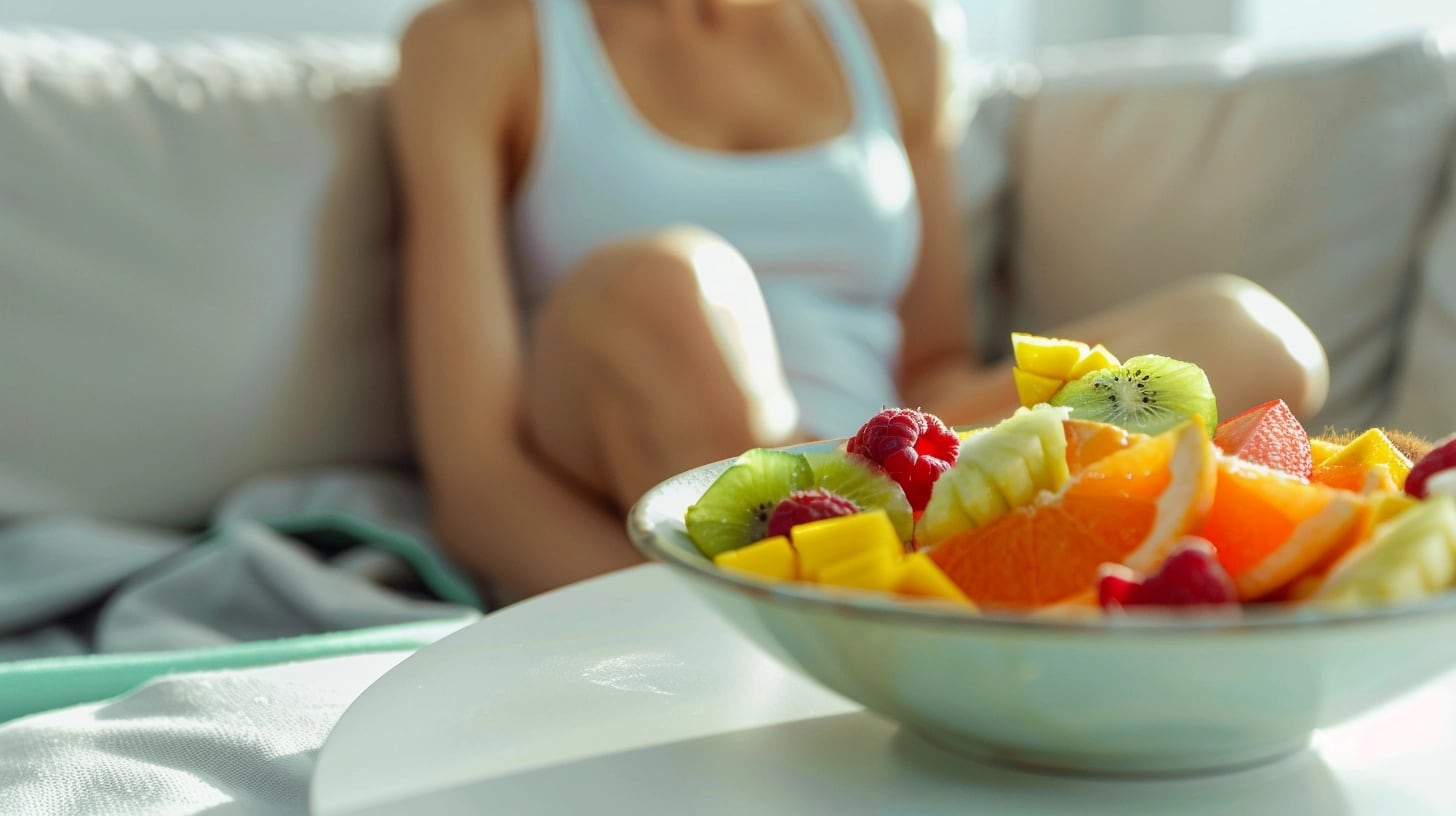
point(1321, 449)
point(1370, 448)
point(1034, 389)
point(1048, 356)
point(877, 569)
point(1096, 359)
point(922, 578)
point(823, 542)
point(772, 558)
point(1387, 505)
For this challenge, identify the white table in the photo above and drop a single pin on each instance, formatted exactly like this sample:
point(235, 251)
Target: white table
point(626, 694)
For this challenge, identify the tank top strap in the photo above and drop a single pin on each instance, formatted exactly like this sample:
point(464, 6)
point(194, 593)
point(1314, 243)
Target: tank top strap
point(571, 75)
point(874, 101)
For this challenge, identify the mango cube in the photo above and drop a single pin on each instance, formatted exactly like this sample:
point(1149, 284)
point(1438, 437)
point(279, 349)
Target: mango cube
point(921, 577)
point(1370, 448)
point(877, 569)
point(1321, 449)
point(1034, 389)
point(773, 559)
point(823, 542)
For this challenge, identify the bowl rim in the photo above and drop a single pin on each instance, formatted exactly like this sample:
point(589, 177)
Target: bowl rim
point(650, 537)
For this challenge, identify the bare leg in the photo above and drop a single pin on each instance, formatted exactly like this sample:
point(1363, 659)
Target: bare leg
point(655, 356)
point(1253, 348)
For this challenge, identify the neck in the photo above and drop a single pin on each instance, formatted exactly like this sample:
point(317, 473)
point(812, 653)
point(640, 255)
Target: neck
point(712, 13)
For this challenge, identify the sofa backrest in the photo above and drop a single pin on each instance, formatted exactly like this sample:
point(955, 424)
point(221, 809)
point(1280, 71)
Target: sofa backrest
point(1138, 163)
point(196, 275)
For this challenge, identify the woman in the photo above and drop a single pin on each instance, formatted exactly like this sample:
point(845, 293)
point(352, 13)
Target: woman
point(642, 235)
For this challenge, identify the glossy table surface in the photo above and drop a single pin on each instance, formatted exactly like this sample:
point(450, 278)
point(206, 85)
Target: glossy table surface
point(627, 694)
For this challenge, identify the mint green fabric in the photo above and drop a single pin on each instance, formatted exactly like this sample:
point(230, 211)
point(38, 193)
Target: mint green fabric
point(32, 686)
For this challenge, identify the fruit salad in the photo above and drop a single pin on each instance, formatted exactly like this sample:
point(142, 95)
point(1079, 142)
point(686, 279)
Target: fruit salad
point(1114, 486)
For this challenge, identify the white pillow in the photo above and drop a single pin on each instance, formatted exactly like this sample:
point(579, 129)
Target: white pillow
point(1140, 163)
point(196, 279)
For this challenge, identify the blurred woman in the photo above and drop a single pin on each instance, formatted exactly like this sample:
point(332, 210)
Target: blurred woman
point(642, 235)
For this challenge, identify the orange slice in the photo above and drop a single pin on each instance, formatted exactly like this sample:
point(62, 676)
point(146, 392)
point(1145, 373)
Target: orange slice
point(1089, 441)
point(1130, 507)
point(1269, 528)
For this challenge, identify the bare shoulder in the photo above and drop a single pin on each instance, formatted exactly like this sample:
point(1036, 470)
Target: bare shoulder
point(912, 53)
point(466, 51)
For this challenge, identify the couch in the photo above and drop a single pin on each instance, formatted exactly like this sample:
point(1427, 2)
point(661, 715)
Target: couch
point(197, 274)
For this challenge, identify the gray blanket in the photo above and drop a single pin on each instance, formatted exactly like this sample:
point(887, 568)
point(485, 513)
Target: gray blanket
point(154, 671)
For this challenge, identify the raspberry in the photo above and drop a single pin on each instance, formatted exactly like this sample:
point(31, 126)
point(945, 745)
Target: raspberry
point(1441, 457)
point(913, 447)
point(804, 506)
point(1191, 576)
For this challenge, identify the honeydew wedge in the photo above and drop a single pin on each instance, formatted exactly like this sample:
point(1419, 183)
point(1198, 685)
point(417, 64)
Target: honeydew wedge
point(999, 469)
point(1408, 558)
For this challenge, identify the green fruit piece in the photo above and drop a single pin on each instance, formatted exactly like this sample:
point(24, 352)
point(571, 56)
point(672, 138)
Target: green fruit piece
point(1410, 557)
point(963, 499)
point(999, 469)
point(864, 483)
point(1148, 394)
point(733, 512)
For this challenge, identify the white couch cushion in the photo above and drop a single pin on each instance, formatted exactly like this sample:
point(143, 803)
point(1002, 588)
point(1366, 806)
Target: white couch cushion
point(195, 270)
point(1310, 174)
point(1425, 390)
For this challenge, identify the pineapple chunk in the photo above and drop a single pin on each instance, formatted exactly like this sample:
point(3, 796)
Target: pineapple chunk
point(1370, 448)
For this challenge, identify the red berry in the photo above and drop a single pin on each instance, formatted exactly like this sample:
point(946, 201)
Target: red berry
point(913, 447)
point(1268, 435)
point(804, 506)
point(1191, 576)
point(1442, 457)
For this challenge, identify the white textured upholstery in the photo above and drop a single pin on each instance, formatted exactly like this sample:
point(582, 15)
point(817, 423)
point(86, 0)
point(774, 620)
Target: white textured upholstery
point(195, 270)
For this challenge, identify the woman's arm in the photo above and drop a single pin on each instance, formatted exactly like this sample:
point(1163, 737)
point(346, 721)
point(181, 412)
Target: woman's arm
point(498, 510)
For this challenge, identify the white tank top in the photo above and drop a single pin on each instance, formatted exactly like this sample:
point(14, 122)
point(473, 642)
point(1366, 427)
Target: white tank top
point(831, 229)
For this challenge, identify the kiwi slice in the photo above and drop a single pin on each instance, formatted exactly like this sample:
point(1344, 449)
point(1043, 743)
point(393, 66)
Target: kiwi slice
point(1147, 394)
point(862, 482)
point(733, 512)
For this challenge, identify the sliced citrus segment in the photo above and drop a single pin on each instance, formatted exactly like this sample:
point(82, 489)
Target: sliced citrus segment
point(1129, 507)
point(1269, 527)
point(1089, 441)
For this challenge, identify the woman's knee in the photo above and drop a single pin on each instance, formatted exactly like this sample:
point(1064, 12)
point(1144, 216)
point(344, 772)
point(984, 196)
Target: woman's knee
point(1264, 334)
point(669, 332)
